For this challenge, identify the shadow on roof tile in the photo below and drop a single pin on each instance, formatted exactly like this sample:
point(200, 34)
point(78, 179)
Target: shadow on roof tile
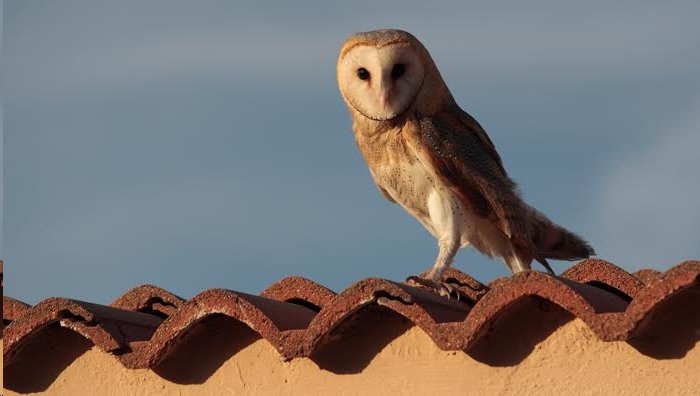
point(43, 358)
point(350, 347)
point(205, 348)
point(671, 328)
point(516, 332)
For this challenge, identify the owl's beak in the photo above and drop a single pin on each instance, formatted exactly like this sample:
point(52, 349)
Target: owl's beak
point(384, 93)
point(384, 96)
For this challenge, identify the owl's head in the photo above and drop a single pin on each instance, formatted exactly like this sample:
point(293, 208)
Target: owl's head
point(382, 73)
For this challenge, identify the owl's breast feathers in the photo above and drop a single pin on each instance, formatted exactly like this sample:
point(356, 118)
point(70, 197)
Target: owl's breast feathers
point(393, 164)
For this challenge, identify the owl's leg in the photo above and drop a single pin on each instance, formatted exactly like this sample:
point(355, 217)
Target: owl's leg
point(433, 279)
point(446, 255)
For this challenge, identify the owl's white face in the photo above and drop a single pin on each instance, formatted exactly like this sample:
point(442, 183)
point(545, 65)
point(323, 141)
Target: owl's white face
point(381, 83)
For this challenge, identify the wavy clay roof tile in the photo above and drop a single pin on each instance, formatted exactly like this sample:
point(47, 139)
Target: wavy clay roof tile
point(298, 316)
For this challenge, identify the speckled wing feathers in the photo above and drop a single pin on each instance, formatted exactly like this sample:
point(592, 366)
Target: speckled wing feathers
point(466, 161)
point(473, 126)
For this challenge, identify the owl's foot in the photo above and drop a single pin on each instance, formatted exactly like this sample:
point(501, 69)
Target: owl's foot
point(441, 288)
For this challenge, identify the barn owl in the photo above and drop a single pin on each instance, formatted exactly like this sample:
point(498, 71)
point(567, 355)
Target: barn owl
point(433, 159)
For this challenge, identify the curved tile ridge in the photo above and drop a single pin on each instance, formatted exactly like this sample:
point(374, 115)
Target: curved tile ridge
point(596, 271)
point(647, 275)
point(149, 299)
point(13, 309)
point(297, 288)
point(426, 309)
point(109, 328)
point(276, 321)
point(588, 303)
point(295, 330)
point(676, 279)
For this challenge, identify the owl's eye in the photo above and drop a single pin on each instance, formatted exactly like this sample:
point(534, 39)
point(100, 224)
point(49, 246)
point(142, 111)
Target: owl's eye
point(362, 73)
point(398, 70)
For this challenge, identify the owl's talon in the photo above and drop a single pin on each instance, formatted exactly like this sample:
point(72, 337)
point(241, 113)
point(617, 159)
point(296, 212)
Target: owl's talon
point(442, 288)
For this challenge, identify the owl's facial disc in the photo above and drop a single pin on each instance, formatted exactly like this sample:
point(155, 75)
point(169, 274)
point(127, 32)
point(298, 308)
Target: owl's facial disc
point(381, 83)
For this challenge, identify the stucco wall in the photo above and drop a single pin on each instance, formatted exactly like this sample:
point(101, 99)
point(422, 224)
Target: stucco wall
point(552, 354)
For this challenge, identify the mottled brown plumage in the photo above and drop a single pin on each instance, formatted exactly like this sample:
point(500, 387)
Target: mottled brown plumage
point(432, 158)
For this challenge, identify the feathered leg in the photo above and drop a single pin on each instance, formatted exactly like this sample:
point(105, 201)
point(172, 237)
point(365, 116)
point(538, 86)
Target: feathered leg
point(446, 255)
point(447, 251)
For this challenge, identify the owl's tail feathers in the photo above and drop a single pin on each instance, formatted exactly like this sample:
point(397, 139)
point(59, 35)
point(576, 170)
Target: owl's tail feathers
point(556, 242)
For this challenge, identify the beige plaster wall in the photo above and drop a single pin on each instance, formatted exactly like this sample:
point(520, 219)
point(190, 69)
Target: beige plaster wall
point(224, 357)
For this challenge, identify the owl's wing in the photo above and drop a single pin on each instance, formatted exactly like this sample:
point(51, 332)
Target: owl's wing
point(465, 159)
point(473, 126)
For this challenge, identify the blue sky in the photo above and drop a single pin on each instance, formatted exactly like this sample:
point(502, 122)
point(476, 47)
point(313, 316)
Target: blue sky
point(198, 146)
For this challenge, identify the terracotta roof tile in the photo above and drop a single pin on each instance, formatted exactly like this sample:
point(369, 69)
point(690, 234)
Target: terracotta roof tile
point(604, 274)
point(647, 275)
point(12, 309)
point(298, 316)
point(276, 321)
point(298, 290)
point(149, 299)
point(110, 329)
point(649, 299)
point(423, 308)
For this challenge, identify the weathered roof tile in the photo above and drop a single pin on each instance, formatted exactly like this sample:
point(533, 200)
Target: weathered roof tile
point(111, 329)
point(298, 316)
